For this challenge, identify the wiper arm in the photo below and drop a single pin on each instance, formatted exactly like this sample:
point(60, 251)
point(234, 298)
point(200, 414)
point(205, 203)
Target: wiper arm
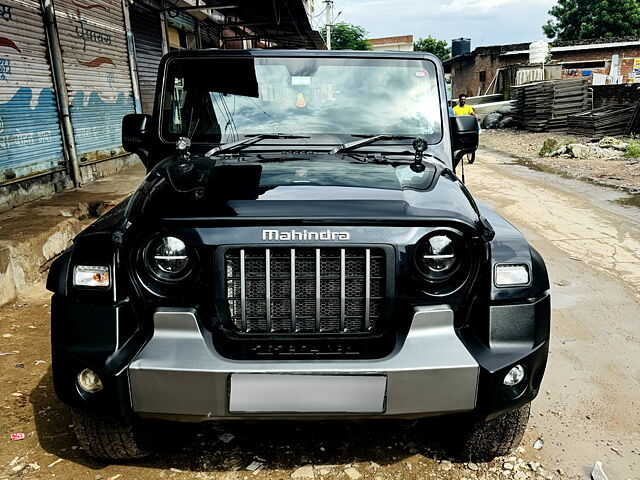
point(250, 140)
point(345, 147)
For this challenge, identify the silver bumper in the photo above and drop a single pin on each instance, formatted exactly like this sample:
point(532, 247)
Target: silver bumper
point(179, 373)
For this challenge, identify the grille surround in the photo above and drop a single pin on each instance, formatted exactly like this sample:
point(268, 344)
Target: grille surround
point(326, 289)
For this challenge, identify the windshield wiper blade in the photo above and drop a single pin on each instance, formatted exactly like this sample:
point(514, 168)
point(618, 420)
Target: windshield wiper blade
point(345, 147)
point(250, 140)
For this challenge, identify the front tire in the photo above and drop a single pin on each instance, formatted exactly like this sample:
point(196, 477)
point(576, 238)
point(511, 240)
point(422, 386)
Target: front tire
point(111, 439)
point(497, 437)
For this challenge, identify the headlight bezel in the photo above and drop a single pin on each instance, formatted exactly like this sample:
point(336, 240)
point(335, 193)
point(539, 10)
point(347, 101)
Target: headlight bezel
point(154, 275)
point(419, 257)
point(453, 281)
point(157, 272)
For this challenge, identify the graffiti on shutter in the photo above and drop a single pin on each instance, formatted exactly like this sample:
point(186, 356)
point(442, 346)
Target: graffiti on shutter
point(30, 139)
point(94, 52)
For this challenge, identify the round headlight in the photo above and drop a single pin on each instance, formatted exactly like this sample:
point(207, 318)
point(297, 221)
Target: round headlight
point(438, 257)
point(168, 258)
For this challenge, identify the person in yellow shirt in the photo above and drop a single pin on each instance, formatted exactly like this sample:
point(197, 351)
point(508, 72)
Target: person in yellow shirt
point(462, 108)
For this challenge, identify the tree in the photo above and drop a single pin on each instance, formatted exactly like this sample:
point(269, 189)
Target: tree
point(583, 19)
point(439, 48)
point(345, 36)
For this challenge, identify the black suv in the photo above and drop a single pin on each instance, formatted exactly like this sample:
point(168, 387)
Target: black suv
point(300, 248)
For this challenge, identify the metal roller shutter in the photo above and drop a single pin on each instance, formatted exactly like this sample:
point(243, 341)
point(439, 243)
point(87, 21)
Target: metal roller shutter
point(94, 53)
point(209, 36)
point(147, 35)
point(30, 139)
point(180, 20)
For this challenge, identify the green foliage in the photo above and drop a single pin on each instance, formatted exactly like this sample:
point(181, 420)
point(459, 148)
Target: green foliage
point(345, 36)
point(550, 145)
point(583, 19)
point(633, 149)
point(439, 48)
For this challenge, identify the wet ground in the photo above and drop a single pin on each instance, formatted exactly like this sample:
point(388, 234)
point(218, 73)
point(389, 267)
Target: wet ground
point(587, 410)
point(615, 171)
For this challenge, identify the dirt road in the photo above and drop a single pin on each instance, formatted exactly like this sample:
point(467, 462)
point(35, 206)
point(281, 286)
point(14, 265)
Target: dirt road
point(588, 408)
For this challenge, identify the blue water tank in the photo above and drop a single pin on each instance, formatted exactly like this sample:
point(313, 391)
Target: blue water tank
point(460, 46)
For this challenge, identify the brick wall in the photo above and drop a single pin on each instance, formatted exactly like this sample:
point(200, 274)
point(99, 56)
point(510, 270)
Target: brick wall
point(604, 95)
point(466, 70)
point(466, 74)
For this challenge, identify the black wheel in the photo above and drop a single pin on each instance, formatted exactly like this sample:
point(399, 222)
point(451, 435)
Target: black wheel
point(111, 439)
point(497, 437)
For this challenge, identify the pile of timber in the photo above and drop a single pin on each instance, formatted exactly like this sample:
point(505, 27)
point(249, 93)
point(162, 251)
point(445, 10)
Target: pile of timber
point(544, 106)
point(602, 122)
point(633, 126)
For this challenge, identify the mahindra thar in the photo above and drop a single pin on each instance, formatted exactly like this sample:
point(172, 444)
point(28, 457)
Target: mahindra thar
point(301, 248)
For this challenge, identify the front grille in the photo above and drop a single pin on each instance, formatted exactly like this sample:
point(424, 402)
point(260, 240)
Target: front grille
point(305, 290)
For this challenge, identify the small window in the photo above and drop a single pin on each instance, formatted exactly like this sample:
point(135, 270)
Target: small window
point(483, 76)
point(584, 64)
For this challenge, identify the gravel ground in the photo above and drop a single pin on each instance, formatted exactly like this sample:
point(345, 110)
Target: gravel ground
point(373, 450)
point(619, 173)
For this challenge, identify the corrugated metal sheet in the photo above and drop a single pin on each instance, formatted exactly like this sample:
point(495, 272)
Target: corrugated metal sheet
point(528, 75)
point(30, 139)
point(94, 52)
point(180, 20)
point(147, 35)
point(209, 34)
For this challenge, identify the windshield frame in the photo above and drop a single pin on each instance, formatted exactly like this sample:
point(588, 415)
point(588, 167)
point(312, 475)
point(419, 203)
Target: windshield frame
point(355, 55)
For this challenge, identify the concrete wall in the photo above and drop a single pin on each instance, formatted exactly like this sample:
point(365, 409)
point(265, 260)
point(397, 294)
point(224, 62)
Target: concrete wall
point(24, 191)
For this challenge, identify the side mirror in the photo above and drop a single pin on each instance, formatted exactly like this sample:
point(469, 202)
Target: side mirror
point(464, 136)
point(136, 132)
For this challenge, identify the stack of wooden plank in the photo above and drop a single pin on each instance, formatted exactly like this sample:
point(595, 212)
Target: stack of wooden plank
point(544, 106)
point(633, 126)
point(602, 122)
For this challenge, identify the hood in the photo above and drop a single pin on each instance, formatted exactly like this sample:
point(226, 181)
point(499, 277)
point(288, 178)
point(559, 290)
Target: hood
point(300, 187)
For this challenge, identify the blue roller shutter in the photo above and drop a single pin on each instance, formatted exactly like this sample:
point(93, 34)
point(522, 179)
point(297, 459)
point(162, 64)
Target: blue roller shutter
point(30, 139)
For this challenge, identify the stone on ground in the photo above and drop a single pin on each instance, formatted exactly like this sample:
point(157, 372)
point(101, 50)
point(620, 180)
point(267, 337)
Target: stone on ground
point(491, 120)
point(598, 473)
point(304, 472)
point(550, 145)
point(352, 473)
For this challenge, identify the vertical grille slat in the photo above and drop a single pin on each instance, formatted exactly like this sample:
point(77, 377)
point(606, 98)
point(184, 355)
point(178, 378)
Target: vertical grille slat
point(305, 289)
point(293, 290)
point(367, 289)
point(318, 285)
point(243, 291)
point(342, 287)
point(267, 273)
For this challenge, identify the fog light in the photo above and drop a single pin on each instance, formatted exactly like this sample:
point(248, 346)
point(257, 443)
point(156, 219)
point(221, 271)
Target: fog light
point(514, 377)
point(89, 381)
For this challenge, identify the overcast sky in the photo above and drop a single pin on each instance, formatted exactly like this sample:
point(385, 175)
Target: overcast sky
point(486, 22)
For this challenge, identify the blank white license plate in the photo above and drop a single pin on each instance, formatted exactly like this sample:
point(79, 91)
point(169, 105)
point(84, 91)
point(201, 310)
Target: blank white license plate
point(269, 393)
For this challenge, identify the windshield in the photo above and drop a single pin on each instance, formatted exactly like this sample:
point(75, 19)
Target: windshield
point(220, 100)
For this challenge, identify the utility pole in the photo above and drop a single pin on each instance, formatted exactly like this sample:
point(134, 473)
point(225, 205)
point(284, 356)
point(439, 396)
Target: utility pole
point(328, 21)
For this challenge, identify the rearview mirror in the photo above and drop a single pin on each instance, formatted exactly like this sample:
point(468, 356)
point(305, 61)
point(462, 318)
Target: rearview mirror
point(136, 130)
point(464, 136)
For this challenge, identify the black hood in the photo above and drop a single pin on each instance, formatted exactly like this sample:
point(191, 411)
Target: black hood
point(300, 187)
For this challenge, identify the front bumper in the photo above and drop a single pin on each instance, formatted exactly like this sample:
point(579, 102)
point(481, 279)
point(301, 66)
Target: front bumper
point(180, 375)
